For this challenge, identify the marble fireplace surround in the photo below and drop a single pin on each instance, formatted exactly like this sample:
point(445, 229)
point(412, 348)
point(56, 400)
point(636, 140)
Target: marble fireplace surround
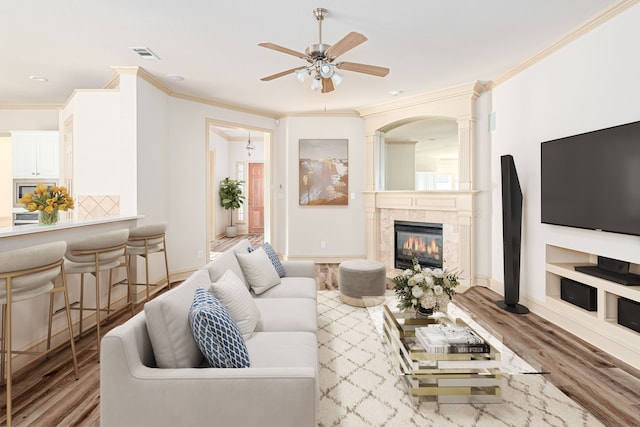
point(454, 210)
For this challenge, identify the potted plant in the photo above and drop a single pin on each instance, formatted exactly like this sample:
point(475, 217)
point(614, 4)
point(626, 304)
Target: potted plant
point(231, 198)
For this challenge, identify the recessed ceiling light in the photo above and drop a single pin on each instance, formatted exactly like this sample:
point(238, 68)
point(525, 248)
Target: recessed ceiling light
point(175, 77)
point(39, 78)
point(395, 92)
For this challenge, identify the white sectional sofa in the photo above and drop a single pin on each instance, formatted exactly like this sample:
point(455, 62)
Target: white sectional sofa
point(280, 388)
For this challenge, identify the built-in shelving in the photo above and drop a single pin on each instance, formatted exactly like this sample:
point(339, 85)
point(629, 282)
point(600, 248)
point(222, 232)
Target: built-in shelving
point(561, 262)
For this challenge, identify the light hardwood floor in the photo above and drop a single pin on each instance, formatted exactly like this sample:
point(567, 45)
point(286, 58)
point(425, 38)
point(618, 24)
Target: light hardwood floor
point(46, 394)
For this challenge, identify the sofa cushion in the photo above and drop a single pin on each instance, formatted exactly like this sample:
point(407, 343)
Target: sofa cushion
point(283, 350)
point(235, 296)
point(273, 257)
point(167, 317)
point(215, 332)
point(258, 270)
point(223, 262)
point(292, 287)
point(287, 314)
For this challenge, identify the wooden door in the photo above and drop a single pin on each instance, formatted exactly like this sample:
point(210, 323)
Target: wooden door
point(256, 198)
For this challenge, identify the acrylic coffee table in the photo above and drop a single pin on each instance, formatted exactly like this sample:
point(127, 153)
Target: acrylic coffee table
point(443, 378)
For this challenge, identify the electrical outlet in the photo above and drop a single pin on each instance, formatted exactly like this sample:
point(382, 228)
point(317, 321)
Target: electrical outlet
point(323, 244)
point(200, 254)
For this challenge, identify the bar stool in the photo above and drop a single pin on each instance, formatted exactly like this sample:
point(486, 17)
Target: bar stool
point(25, 274)
point(100, 252)
point(145, 240)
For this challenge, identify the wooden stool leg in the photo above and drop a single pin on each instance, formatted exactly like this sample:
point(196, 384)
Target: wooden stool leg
point(98, 310)
point(7, 353)
point(69, 325)
point(3, 347)
point(81, 303)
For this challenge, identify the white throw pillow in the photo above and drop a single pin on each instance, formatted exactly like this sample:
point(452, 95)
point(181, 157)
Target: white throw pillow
point(168, 324)
point(258, 270)
point(234, 295)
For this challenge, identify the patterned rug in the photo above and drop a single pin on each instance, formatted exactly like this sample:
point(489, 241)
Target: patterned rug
point(359, 386)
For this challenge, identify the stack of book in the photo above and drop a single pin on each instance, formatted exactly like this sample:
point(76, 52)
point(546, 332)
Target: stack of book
point(451, 339)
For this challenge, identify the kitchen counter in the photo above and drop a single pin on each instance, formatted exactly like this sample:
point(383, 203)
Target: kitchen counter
point(20, 236)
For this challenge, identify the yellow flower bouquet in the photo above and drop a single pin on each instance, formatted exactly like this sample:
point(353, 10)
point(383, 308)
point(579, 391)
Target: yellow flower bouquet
point(48, 200)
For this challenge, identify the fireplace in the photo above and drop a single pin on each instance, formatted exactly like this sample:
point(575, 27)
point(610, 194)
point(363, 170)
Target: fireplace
point(420, 239)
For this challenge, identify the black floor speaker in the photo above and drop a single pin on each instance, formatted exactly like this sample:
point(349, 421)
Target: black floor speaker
point(577, 293)
point(629, 313)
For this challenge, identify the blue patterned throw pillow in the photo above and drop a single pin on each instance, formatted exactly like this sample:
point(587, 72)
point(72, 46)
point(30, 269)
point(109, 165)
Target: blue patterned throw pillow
point(273, 257)
point(216, 334)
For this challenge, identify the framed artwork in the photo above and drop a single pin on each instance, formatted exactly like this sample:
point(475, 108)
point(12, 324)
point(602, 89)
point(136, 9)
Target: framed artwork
point(324, 172)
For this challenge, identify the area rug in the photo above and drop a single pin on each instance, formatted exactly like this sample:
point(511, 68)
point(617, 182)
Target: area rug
point(359, 386)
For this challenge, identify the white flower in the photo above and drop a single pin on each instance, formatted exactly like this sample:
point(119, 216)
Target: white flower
point(417, 267)
point(437, 289)
point(437, 272)
point(407, 273)
point(419, 277)
point(412, 281)
point(429, 281)
point(417, 291)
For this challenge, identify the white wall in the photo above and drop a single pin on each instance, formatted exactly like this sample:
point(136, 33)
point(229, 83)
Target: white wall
point(97, 144)
point(29, 119)
point(303, 228)
point(152, 156)
point(590, 84)
point(187, 175)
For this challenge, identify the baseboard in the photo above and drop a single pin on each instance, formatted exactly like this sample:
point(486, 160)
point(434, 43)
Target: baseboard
point(326, 259)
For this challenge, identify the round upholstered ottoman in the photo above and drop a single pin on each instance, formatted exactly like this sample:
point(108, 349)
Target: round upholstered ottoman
point(360, 278)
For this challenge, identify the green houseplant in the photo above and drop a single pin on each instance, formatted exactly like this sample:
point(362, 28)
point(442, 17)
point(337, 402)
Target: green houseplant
point(231, 198)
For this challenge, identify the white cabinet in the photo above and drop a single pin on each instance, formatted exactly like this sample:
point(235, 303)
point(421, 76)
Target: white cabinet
point(35, 154)
point(600, 327)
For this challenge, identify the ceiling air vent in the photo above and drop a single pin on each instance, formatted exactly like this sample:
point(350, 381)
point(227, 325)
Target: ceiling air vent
point(144, 52)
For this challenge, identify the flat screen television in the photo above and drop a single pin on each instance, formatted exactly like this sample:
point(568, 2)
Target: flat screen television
point(592, 180)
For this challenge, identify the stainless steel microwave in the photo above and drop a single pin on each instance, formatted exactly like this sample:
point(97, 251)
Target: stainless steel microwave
point(24, 186)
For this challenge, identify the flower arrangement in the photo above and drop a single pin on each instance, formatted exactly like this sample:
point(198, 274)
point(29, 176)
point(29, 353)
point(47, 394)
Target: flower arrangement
point(48, 200)
point(427, 288)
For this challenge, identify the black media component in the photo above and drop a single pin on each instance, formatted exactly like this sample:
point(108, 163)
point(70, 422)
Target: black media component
point(579, 294)
point(629, 313)
point(511, 235)
point(591, 180)
point(612, 270)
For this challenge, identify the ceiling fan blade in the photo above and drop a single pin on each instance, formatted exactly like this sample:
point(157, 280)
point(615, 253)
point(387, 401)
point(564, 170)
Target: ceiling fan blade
point(280, 74)
point(327, 85)
point(283, 50)
point(363, 68)
point(345, 44)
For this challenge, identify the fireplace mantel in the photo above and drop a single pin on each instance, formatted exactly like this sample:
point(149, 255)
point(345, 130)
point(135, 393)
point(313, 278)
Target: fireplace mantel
point(453, 209)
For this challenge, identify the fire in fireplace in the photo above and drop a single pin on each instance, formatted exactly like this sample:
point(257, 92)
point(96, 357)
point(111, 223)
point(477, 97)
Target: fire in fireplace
point(420, 239)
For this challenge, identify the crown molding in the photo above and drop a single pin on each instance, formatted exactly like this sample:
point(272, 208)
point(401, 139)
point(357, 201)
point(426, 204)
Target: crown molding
point(610, 12)
point(473, 89)
point(31, 107)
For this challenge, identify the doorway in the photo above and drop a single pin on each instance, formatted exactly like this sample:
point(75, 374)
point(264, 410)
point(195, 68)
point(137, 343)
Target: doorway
point(228, 156)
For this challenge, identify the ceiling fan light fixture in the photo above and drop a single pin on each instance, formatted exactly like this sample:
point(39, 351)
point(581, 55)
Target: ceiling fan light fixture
point(337, 78)
point(316, 84)
point(302, 74)
point(326, 70)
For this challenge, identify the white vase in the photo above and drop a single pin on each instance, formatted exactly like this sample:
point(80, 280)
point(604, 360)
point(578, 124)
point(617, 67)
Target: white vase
point(232, 231)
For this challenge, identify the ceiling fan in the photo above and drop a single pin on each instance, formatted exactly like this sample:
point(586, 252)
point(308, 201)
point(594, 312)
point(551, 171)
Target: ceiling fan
point(321, 58)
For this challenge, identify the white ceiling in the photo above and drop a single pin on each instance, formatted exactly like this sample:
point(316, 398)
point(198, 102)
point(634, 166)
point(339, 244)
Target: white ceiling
point(427, 44)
